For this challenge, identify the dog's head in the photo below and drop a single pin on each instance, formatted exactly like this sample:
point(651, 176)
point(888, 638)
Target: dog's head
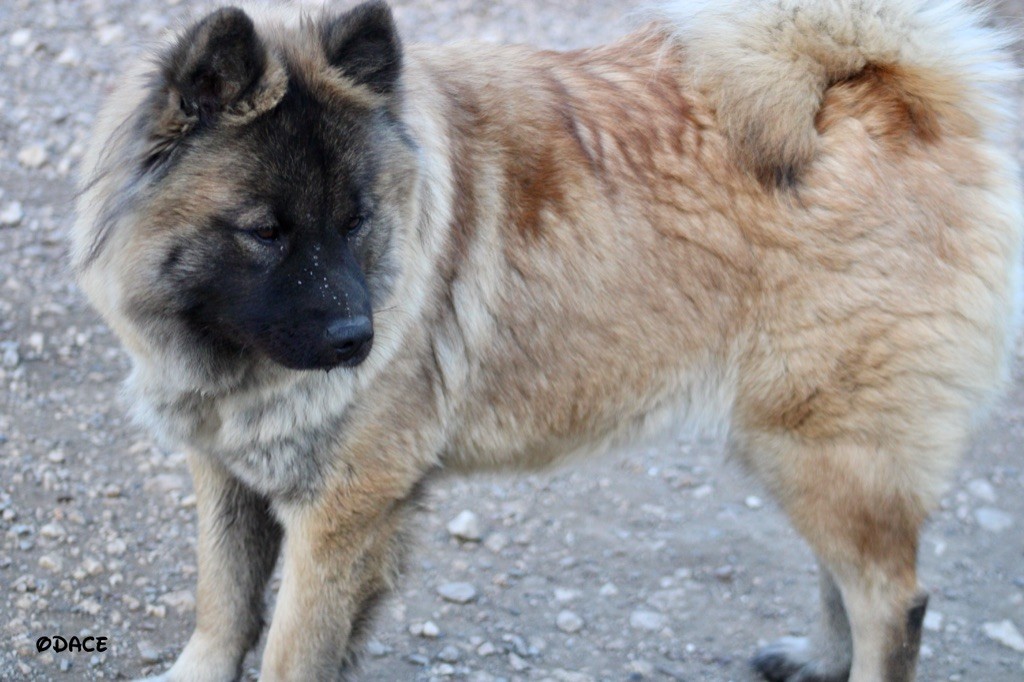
point(246, 194)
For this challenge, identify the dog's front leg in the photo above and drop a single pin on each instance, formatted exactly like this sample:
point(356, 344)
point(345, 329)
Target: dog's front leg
point(342, 554)
point(238, 547)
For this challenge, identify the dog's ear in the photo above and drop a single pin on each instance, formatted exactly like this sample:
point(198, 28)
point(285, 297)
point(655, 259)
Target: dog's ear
point(217, 70)
point(364, 45)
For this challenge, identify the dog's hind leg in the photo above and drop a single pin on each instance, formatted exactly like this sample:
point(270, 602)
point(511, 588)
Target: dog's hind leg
point(859, 509)
point(238, 547)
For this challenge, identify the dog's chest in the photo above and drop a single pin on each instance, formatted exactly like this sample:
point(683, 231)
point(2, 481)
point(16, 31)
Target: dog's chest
point(279, 442)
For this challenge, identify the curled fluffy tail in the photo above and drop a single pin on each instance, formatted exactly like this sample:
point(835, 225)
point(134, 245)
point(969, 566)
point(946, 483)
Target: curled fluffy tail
point(766, 64)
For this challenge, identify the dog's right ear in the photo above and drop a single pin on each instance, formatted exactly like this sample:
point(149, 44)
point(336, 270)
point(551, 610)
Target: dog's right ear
point(218, 71)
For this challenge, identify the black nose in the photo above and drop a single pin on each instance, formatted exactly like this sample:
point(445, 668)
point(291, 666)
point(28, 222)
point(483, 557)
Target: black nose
point(350, 339)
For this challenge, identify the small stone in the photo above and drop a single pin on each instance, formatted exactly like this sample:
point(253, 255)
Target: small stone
point(110, 33)
point(12, 214)
point(608, 590)
point(457, 593)
point(50, 563)
point(466, 527)
point(158, 611)
point(933, 621)
point(418, 659)
point(430, 630)
point(92, 567)
point(377, 649)
point(647, 620)
point(703, 491)
point(32, 156)
point(570, 676)
point(486, 649)
point(449, 654)
point(117, 547)
point(181, 601)
point(753, 502)
point(21, 37)
point(563, 595)
point(517, 663)
point(496, 542)
point(982, 489)
point(91, 607)
point(993, 520)
point(52, 531)
point(1005, 633)
point(57, 457)
point(569, 622)
point(69, 56)
point(725, 573)
point(112, 491)
point(148, 653)
point(164, 483)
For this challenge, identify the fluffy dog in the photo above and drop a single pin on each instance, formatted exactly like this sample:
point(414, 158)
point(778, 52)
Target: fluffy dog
point(341, 266)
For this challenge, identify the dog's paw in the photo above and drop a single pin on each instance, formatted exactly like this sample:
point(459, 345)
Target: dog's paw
point(792, 659)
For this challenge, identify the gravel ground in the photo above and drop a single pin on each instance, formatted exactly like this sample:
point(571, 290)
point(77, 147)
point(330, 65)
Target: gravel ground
point(659, 564)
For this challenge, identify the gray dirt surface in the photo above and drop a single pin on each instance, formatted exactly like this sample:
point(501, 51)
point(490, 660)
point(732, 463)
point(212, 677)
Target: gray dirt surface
point(658, 564)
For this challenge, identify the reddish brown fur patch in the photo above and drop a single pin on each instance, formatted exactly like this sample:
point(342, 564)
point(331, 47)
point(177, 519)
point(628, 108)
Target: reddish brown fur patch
point(878, 97)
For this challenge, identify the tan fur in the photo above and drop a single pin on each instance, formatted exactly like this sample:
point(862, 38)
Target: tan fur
point(591, 251)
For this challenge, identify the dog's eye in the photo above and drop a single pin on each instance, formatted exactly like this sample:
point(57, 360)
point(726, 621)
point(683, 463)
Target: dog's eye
point(266, 234)
point(354, 223)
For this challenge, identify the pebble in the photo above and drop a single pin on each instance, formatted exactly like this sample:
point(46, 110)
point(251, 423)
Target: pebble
point(933, 621)
point(32, 156)
point(466, 527)
point(117, 547)
point(993, 520)
point(418, 659)
point(12, 214)
point(148, 653)
point(181, 601)
point(50, 563)
point(982, 489)
point(449, 654)
point(563, 595)
point(1005, 633)
point(92, 567)
point(164, 483)
point(496, 542)
point(647, 620)
point(570, 676)
point(517, 663)
point(52, 531)
point(21, 37)
point(110, 34)
point(569, 622)
point(753, 502)
point(69, 56)
point(725, 573)
point(377, 649)
point(457, 593)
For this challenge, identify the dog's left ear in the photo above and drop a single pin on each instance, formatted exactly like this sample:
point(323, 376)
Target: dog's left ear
point(364, 45)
